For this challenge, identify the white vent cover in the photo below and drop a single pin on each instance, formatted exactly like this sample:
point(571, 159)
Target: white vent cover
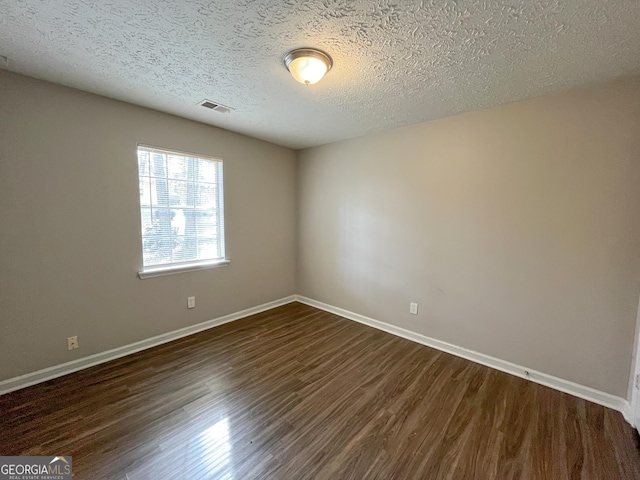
point(215, 106)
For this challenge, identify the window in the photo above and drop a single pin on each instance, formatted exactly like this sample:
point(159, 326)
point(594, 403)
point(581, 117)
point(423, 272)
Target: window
point(181, 210)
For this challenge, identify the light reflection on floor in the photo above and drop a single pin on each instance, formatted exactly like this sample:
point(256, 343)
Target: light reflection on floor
point(191, 453)
point(216, 453)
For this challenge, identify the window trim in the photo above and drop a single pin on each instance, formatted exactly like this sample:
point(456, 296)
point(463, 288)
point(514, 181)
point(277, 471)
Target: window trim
point(190, 266)
point(175, 268)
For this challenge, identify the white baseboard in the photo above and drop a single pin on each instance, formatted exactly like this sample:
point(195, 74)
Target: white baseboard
point(627, 413)
point(581, 391)
point(43, 375)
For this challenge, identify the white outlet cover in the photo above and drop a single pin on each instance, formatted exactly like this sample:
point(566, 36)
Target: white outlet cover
point(191, 302)
point(413, 308)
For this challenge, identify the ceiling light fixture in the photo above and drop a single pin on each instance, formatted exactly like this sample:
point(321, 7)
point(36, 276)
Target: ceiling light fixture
point(308, 65)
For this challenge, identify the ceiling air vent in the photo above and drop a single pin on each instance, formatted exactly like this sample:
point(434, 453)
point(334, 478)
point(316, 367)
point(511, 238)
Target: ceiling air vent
point(215, 106)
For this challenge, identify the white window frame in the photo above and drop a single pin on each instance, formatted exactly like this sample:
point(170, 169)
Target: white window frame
point(189, 266)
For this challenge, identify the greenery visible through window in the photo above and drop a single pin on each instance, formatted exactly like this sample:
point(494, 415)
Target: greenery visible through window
point(181, 208)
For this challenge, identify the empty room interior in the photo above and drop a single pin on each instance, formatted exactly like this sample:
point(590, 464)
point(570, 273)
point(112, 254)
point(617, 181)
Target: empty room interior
point(321, 239)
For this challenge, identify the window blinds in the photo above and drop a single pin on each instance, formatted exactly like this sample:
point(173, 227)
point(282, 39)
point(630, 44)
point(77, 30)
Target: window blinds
point(181, 208)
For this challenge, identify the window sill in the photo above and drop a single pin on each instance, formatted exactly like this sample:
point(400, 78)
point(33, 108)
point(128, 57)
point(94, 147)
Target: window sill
point(174, 270)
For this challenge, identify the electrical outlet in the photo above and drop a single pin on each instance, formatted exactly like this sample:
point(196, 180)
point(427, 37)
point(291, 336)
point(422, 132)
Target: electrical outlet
point(191, 302)
point(72, 343)
point(413, 308)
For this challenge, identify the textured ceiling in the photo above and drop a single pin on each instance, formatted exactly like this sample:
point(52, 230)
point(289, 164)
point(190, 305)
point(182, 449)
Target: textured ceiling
point(395, 62)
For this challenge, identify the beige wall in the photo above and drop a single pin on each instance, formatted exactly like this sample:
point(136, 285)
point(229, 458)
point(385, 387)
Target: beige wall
point(516, 229)
point(70, 229)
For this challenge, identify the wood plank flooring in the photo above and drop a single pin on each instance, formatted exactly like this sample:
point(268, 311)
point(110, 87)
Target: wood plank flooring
point(298, 393)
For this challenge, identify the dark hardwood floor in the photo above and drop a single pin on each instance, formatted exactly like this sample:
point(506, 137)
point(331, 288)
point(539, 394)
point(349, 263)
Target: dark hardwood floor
point(297, 393)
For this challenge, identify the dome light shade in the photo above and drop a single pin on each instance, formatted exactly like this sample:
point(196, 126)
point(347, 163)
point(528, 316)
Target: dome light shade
point(308, 65)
